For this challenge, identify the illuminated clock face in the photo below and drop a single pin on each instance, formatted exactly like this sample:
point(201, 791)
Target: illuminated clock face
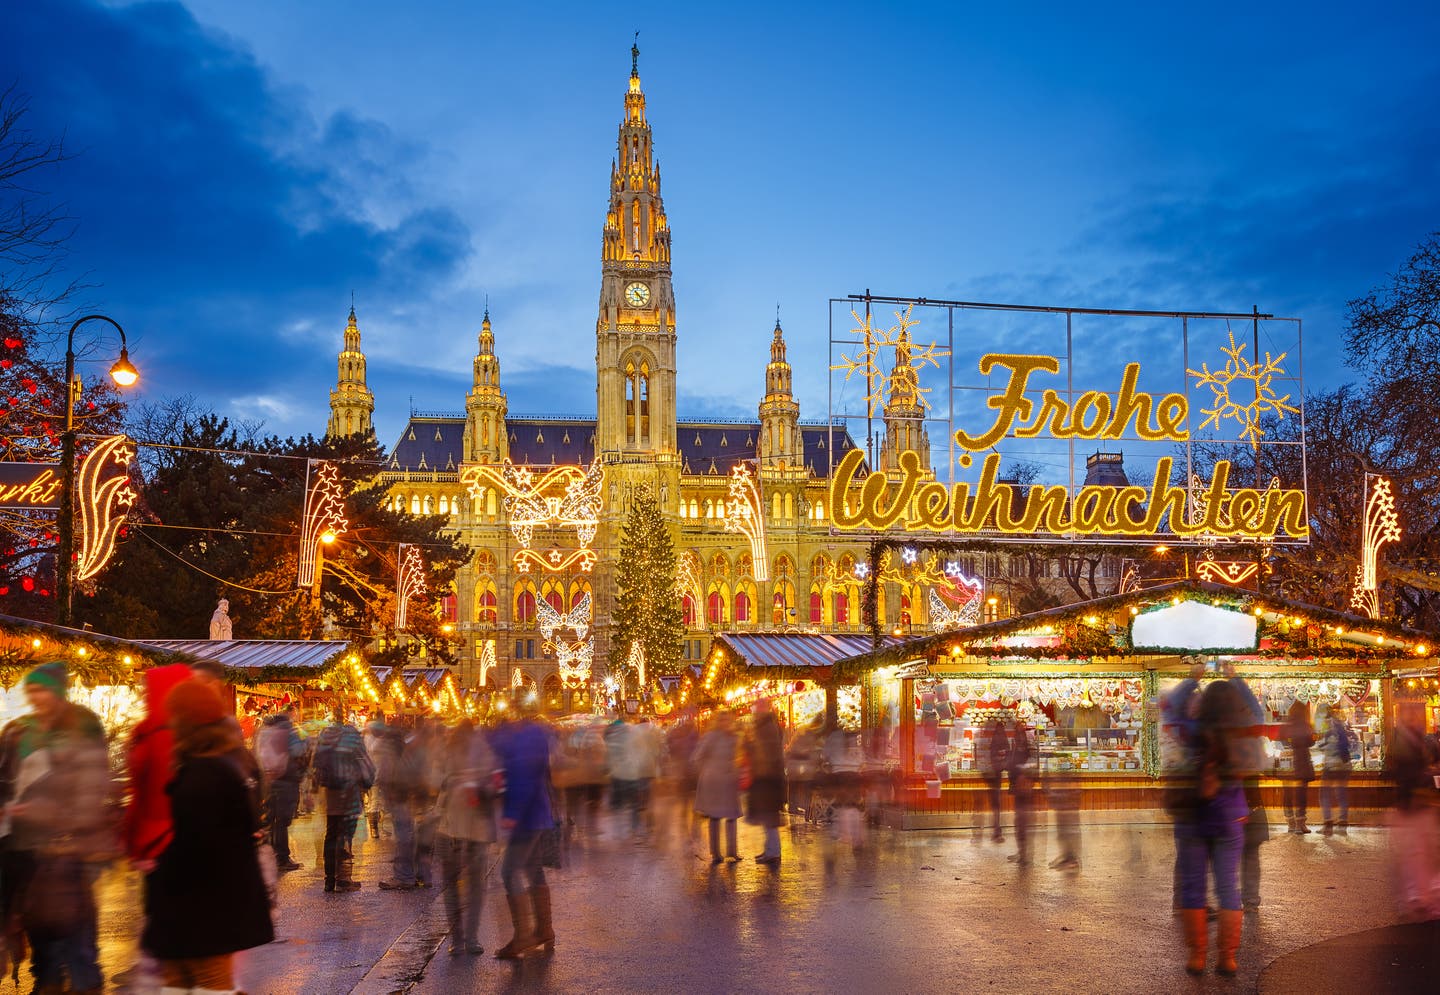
point(637, 295)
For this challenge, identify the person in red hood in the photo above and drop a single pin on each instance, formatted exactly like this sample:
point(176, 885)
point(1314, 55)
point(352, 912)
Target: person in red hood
point(149, 756)
point(151, 763)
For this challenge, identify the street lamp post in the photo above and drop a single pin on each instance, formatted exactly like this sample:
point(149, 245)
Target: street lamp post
point(124, 374)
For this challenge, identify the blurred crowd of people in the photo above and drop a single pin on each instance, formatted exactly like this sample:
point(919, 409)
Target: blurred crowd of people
point(205, 817)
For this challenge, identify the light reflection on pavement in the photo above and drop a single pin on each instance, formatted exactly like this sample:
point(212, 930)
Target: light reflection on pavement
point(917, 911)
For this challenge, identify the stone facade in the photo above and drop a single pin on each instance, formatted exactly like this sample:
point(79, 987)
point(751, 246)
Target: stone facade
point(812, 583)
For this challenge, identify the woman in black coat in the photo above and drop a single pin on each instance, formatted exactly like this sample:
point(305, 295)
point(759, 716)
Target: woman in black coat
point(207, 898)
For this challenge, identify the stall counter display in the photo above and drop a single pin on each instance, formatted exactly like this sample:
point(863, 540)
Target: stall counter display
point(1078, 724)
point(1356, 699)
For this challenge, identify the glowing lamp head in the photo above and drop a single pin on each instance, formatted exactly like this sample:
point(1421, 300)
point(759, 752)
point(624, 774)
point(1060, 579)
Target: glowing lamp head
point(124, 372)
point(1162, 549)
point(327, 537)
point(896, 632)
point(447, 628)
point(1421, 649)
point(992, 600)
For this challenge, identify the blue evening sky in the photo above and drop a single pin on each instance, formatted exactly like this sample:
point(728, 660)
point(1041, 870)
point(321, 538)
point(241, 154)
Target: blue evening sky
point(243, 166)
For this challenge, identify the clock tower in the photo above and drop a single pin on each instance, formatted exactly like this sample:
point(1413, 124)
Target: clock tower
point(635, 332)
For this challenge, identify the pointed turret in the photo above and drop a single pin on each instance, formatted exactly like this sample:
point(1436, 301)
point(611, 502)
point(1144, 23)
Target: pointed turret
point(779, 414)
point(351, 402)
point(485, 407)
point(904, 411)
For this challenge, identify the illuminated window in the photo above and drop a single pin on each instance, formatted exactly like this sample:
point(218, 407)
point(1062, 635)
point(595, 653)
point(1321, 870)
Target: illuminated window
point(715, 607)
point(525, 604)
point(687, 605)
point(817, 608)
point(486, 612)
point(842, 608)
point(694, 508)
point(742, 607)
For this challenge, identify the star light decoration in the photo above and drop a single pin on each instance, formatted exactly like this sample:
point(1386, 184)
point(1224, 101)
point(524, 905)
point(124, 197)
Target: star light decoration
point(745, 514)
point(1260, 378)
point(324, 513)
point(909, 360)
point(687, 579)
point(409, 582)
point(562, 497)
point(487, 661)
point(1382, 525)
point(104, 499)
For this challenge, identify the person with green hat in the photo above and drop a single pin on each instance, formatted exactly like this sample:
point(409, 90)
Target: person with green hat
point(58, 828)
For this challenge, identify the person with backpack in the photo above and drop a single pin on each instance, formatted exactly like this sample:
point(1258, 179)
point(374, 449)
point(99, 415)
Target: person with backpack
point(282, 755)
point(343, 773)
point(1335, 746)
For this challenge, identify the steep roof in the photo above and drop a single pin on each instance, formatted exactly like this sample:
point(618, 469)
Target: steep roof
point(436, 443)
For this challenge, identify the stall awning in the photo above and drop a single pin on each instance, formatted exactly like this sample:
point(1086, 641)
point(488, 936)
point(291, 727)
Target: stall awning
point(812, 651)
point(1084, 629)
point(257, 654)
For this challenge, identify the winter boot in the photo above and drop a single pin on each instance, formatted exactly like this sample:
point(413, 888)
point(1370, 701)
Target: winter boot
point(523, 940)
point(345, 875)
point(1327, 829)
point(1228, 940)
point(544, 930)
point(1197, 938)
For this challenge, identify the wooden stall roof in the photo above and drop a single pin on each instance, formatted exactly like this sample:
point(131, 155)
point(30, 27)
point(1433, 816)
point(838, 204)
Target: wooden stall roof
point(245, 655)
point(812, 652)
point(1358, 628)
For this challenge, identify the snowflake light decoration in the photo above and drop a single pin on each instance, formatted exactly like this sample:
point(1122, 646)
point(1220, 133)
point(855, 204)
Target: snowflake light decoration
point(867, 360)
point(1260, 376)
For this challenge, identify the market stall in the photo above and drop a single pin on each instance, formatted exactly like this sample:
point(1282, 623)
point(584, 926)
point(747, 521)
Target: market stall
point(268, 674)
point(792, 669)
point(1088, 682)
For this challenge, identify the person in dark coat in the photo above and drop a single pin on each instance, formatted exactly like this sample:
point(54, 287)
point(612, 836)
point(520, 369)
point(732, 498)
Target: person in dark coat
point(523, 749)
point(1300, 736)
point(764, 749)
point(207, 898)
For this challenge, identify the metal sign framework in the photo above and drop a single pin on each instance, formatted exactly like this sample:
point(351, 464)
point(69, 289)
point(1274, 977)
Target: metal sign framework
point(1241, 377)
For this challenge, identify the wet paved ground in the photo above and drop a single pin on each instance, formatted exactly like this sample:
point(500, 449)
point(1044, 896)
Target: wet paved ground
point(915, 912)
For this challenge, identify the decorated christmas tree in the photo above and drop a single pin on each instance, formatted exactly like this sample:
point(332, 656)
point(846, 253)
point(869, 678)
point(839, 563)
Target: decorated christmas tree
point(647, 608)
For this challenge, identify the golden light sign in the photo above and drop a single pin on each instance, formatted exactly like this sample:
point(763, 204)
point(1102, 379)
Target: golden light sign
point(103, 498)
point(911, 500)
point(30, 486)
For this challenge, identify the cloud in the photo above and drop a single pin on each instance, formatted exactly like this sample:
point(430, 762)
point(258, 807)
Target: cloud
point(216, 216)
